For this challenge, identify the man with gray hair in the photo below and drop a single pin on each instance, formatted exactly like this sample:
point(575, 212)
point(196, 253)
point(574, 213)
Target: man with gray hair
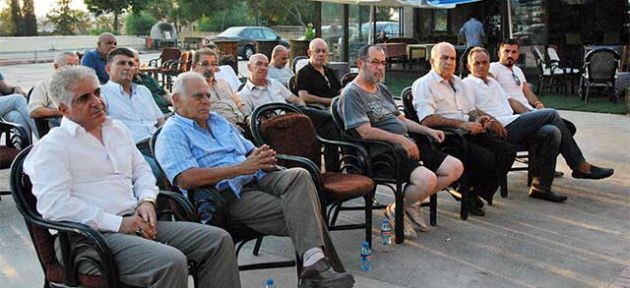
point(97, 58)
point(198, 148)
point(315, 82)
point(90, 153)
point(278, 69)
point(40, 105)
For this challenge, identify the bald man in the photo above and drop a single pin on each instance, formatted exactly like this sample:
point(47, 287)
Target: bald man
point(97, 58)
point(278, 67)
point(316, 83)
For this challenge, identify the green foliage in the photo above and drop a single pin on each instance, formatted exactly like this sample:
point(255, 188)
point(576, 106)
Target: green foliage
point(16, 17)
point(310, 32)
point(65, 20)
point(237, 15)
point(283, 12)
point(116, 7)
point(29, 21)
point(7, 25)
point(139, 23)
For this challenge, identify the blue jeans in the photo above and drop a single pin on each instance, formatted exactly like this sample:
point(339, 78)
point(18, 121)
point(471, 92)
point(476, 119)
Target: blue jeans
point(13, 109)
point(548, 133)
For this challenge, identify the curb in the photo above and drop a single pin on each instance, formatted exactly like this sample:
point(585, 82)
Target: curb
point(24, 61)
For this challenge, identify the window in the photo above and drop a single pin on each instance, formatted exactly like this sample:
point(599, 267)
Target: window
point(440, 20)
point(269, 35)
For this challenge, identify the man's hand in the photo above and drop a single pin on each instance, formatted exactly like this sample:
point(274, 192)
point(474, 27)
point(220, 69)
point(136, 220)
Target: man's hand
point(473, 127)
point(135, 225)
point(262, 157)
point(539, 105)
point(437, 135)
point(497, 128)
point(410, 147)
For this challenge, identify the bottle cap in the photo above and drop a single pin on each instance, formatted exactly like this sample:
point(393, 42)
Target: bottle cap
point(366, 244)
point(270, 281)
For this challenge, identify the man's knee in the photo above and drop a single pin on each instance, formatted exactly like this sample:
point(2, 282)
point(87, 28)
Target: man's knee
point(551, 134)
point(423, 176)
point(299, 174)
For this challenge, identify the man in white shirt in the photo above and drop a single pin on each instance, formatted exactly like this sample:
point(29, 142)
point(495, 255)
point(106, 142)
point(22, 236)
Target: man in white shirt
point(89, 171)
point(130, 103)
point(278, 69)
point(543, 128)
point(442, 100)
point(39, 104)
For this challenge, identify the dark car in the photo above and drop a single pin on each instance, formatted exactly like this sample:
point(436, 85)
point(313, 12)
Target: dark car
point(247, 37)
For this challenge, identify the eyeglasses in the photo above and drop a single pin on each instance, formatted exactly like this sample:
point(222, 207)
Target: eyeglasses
point(516, 79)
point(207, 63)
point(377, 62)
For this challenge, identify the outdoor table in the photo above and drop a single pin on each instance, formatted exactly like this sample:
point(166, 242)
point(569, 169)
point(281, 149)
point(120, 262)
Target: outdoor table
point(152, 71)
point(419, 51)
point(395, 51)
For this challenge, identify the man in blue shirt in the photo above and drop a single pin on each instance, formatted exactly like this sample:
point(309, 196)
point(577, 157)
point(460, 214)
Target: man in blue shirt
point(473, 31)
point(97, 58)
point(197, 148)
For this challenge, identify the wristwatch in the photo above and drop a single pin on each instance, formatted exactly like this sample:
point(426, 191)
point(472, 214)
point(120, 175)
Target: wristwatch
point(148, 199)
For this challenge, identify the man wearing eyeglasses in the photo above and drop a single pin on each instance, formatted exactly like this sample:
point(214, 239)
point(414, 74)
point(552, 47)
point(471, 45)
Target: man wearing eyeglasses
point(278, 69)
point(543, 128)
point(442, 100)
point(130, 103)
point(316, 83)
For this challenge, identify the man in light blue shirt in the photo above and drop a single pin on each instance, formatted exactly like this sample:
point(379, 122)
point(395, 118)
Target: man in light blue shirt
point(131, 103)
point(473, 31)
point(97, 58)
point(198, 149)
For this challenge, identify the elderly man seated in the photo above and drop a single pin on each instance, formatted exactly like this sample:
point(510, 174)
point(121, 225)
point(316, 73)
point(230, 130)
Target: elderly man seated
point(261, 90)
point(368, 107)
point(278, 69)
point(200, 148)
point(315, 82)
point(223, 100)
point(13, 106)
point(130, 103)
point(160, 96)
point(543, 128)
point(442, 100)
point(39, 104)
point(97, 58)
point(88, 170)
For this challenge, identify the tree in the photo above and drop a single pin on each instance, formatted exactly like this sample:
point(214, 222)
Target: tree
point(16, 16)
point(29, 20)
point(139, 23)
point(117, 7)
point(273, 12)
point(66, 21)
point(7, 26)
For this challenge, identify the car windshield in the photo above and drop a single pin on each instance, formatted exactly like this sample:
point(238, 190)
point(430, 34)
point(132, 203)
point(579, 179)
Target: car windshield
point(232, 31)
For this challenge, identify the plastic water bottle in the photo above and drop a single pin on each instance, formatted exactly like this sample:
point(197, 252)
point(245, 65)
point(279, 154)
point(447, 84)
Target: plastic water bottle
point(269, 283)
point(366, 257)
point(386, 236)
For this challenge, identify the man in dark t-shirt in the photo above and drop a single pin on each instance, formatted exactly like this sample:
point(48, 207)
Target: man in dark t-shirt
point(316, 83)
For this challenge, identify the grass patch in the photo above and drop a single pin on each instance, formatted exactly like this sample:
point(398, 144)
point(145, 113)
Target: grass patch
point(396, 81)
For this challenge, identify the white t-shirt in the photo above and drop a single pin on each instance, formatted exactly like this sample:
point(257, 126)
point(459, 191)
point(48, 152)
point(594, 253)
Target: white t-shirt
point(490, 98)
point(506, 77)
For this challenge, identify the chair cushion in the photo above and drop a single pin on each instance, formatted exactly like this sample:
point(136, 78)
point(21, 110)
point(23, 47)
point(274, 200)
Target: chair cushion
point(7, 154)
point(340, 186)
point(292, 134)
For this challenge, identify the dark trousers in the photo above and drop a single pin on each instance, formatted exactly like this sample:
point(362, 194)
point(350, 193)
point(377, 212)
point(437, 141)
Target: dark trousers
point(487, 161)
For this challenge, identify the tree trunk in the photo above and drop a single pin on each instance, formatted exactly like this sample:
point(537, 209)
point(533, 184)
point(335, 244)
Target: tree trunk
point(116, 23)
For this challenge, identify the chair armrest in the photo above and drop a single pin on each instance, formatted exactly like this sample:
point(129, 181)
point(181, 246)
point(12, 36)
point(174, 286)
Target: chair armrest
point(183, 210)
point(15, 135)
point(153, 62)
point(361, 159)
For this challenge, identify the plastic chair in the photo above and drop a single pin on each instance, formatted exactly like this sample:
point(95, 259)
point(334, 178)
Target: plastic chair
point(600, 70)
point(548, 71)
point(15, 139)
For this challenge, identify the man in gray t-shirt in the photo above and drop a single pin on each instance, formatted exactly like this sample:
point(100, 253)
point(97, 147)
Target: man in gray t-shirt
point(369, 108)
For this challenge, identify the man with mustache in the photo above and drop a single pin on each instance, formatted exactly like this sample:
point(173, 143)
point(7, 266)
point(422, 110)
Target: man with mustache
point(130, 103)
point(442, 100)
point(315, 82)
point(543, 128)
point(368, 107)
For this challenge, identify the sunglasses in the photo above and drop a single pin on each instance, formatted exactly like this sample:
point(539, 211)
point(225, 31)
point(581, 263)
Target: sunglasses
point(516, 79)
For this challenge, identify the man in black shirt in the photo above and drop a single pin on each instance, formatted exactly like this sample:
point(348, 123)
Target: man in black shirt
point(316, 83)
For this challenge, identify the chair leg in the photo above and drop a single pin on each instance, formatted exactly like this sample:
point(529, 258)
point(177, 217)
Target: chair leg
point(399, 227)
point(465, 199)
point(433, 210)
point(369, 199)
point(257, 245)
point(504, 188)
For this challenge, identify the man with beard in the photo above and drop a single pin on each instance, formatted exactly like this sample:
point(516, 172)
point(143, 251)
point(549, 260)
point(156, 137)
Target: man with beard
point(316, 83)
point(130, 103)
point(442, 100)
point(97, 58)
point(368, 107)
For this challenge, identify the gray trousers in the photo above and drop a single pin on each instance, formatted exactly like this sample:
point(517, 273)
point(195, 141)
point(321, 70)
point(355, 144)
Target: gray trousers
point(164, 262)
point(547, 131)
point(283, 203)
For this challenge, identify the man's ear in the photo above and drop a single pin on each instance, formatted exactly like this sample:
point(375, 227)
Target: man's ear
point(176, 97)
point(309, 52)
point(107, 68)
point(63, 109)
point(431, 61)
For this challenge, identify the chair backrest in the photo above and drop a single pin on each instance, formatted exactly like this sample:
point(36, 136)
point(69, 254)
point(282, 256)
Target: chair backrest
point(553, 54)
point(15, 139)
point(169, 54)
point(347, 78)
point(226, 73)
point(42, 124)
point(298, 63)
point(407, 99)
point(540, 59)
point(292, 125)
point(292, 85)
point(601, 64)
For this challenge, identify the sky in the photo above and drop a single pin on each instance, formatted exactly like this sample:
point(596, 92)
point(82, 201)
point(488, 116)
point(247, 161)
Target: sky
point(42, 7)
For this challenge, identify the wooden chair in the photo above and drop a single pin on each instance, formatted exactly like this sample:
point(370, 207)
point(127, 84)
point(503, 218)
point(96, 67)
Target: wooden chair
point(334, 187)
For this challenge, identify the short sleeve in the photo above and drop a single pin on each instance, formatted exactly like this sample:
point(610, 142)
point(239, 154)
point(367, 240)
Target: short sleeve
point(423, 100)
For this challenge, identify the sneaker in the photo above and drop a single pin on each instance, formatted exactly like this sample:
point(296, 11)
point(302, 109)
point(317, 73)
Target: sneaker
point(322, 275)
point(408, 231)
point(414, 213)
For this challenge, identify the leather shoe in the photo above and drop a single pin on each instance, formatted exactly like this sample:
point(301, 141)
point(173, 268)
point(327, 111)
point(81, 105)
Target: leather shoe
point(595, 173)
point(474, 210)
point(322, 275)
point(546, 194)
point(478, 202)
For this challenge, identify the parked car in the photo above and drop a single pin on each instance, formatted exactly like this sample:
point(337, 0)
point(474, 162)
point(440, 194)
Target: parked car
point(247, 37)
point(389, 28)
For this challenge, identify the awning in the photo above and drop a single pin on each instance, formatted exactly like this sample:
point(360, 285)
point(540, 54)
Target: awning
point(393, 3)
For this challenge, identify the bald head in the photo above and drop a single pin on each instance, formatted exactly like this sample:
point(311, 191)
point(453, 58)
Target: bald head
point(65, 58)
point(106, 42)
point(279, 56)
point(318, 52)
point(258, 66)
point(443, 59)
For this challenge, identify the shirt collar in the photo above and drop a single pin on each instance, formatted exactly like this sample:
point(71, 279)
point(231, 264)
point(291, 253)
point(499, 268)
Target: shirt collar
point(250, 85)
point(74, 128)
point(191, 123)
point(454, 79)
point(120, 88)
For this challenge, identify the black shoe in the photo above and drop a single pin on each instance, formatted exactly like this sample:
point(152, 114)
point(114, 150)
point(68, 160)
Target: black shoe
point(546, 194)
point(478, 202)
point(595, 173)
point(474, 210)
point(322, 275)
